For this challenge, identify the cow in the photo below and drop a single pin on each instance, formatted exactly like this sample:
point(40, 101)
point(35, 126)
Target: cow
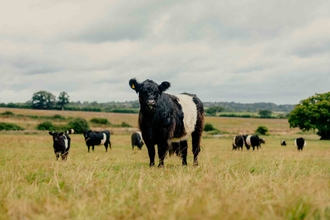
point(163, 117)
point(238, 142)
point(253, 141)
point(300, 143)
point(283, 143)
point(93, 138)
point(61, 143)
point(136, 140)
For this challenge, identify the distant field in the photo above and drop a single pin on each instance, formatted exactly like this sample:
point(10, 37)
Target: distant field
point(273, 183)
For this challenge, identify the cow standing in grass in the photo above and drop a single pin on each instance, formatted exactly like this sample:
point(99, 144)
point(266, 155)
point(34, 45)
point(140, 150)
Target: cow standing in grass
point(300, 143)
point(238, 142)
point(93, 138)
point(253, 141)
point(283, 143)
point(136, 140)
point(164, 117)
point(61, 143)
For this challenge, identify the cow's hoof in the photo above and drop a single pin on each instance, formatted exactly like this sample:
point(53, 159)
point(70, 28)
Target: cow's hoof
point(151, 164)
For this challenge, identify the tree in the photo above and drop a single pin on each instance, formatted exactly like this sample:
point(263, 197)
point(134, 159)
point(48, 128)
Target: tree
point(265, 113)
point(214, 110)
point(313, 113)
point(43, 100)
point(63, 99)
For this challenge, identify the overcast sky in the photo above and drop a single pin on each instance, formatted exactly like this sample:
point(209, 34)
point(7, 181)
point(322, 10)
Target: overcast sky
point(242, 51)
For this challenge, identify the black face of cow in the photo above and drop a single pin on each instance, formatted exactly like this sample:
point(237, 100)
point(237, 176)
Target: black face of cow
point(59, 140)
point(149, 92)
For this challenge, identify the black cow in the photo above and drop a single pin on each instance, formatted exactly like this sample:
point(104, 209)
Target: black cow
point(164, 117)
point(300, 143)
point(238, 142)
point(61, 143)
point(93, 138)
point(136, 139)
point(283, 143)
point(253, 141)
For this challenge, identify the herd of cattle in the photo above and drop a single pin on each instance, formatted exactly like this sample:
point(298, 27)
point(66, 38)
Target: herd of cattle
point(164, 120)
point(255, 142)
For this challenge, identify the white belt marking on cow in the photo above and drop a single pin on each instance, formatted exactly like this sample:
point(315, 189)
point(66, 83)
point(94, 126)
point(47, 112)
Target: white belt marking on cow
point(66, 142)
point(248, 140)
point(189, 110)
point(104, 138)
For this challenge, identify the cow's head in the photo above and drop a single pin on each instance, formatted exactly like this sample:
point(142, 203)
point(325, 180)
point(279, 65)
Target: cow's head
point(149, 92)
point(86, 134)
point(59, 141)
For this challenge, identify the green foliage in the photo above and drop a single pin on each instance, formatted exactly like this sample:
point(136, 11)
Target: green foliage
point(214, 110)
point(79, 125)
point(313, 113)
point(102, 121)
point(209, 127)
point(43, 100)
point(57, 117)
point(7, 113)
point(265, 114)
point(262, 130)
point(47, 126)
point(63, 99)
point(125, 125)
point(9, 127)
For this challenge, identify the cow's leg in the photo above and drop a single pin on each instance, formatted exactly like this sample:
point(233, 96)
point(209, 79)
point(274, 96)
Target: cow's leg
point(196, 139)
point(162, 150)
point(57, 155)
point(106, 146)
point(93, 148)
point(88, 147)
point(151, 153)
point(184, 149)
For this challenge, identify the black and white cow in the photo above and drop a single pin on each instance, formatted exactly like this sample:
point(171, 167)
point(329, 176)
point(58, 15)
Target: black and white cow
point(238, 142)
point(253, 141)
point(136, 140)
point(61, 143)
point(93, 138)
point(283, 143)
point(300, 143)
point(164, 117)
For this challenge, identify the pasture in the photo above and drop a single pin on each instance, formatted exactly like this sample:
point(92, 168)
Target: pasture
point(275, 182)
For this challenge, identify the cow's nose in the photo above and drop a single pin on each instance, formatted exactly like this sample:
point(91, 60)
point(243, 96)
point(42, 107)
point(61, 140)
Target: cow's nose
point(151, 102)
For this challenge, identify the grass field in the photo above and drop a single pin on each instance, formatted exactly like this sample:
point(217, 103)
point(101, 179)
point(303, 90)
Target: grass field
point(273, 183)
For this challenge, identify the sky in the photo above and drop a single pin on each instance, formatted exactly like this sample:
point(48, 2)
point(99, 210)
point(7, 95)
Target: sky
point(242, 51)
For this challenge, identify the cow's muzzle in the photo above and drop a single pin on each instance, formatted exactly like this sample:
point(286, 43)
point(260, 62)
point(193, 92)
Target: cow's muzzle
point(151, 104)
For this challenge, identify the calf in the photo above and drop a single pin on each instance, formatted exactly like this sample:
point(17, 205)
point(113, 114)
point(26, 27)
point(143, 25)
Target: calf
point(253, 141)
point(93, 138)
point(238, 142)
point(283, 143)
point(136, 139)
point(164, 117)
point(61, 143)
point(300, 143)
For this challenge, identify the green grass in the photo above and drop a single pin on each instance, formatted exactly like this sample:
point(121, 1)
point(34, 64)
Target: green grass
point(273, 183)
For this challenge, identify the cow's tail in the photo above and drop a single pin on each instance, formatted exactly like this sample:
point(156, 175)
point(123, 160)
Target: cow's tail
point(70, 131)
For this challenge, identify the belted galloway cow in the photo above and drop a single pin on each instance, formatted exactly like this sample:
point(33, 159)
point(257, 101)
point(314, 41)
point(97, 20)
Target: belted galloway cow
point(164, 117)
point(136, 140)
point(61, 143)
point(93, 138)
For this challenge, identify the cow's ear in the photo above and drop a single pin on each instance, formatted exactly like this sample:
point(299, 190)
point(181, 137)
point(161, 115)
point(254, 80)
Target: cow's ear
point(134, 84)
point(164, 86)
point(61, 133)
point(50, 133)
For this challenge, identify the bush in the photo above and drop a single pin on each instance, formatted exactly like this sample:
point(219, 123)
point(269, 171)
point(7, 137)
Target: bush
point(102, 121)
point(7, 113)
point(57, 117)
point(125, 125)
point(209, 127)
point(47, 126)
point(10, 127)
point(79, 125)
point(262, 130)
